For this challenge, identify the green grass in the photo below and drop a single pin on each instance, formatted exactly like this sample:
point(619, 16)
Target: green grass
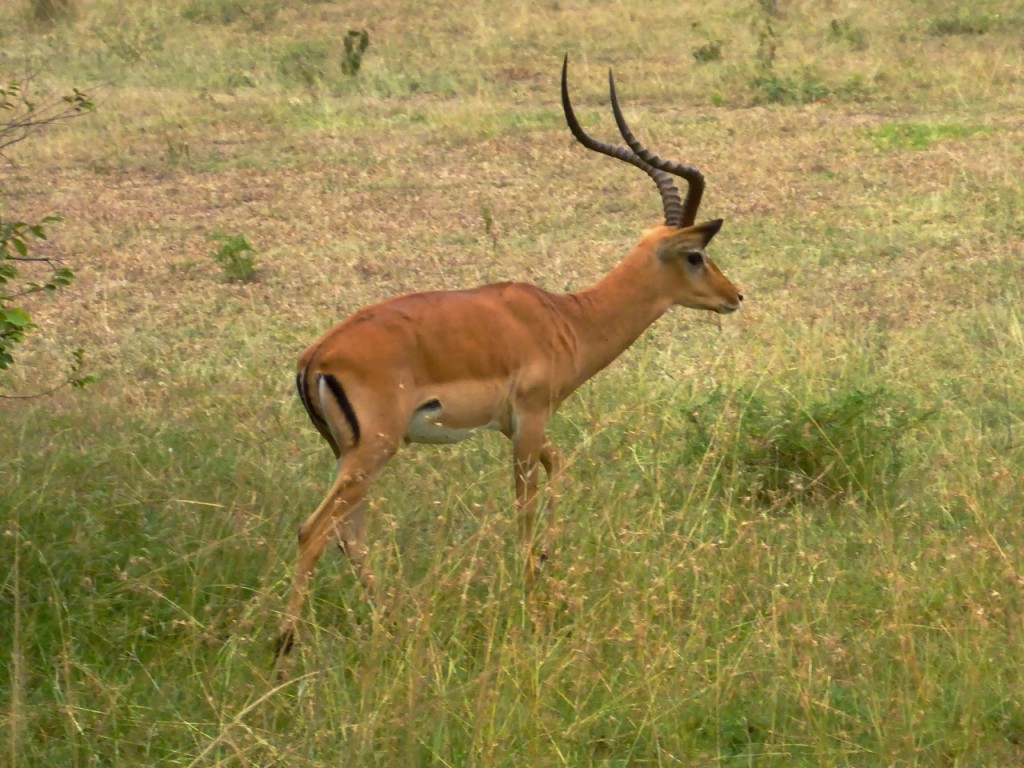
point(787, 538)
point(918, 135)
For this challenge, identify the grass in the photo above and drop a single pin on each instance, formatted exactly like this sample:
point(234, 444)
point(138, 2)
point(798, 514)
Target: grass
point(917, 135)
point(789, 538)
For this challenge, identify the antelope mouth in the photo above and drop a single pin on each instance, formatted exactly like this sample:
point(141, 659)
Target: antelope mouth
point(727, 309)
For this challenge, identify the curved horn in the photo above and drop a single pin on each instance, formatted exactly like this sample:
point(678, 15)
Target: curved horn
point(669, 193)
point(694, 178)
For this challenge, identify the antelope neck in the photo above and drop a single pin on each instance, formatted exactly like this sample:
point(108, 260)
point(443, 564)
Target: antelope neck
point(611, 314)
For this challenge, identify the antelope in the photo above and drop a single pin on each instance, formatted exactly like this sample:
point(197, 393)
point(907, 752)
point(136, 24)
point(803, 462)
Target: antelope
point(438, 366)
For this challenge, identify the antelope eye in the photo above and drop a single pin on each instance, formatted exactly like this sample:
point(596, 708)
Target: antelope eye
point(696, 258)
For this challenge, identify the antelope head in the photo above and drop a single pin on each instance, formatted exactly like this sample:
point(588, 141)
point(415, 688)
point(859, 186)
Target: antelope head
point(676, 249)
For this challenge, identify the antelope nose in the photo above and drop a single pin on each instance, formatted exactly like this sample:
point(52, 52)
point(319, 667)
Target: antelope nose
point(739, 296)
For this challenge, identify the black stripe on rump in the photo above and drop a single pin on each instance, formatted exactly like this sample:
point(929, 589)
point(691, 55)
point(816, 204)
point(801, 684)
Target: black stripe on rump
point(300, 385)
point(343, 402)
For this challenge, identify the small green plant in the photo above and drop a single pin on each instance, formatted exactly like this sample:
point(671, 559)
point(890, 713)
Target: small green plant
point(356, 43)
point(488, 216)
point(235, 257)
point(711, 51)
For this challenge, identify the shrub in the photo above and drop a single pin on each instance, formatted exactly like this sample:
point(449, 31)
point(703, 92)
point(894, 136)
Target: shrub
point(782, 89)
point(234, 257)
point(21, 116)
point(851, 443)
point(356, 43)
point(711, 51)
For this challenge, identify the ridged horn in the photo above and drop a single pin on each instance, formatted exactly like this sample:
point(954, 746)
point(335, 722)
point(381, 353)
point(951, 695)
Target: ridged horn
point(694, 178)
point(669, 194)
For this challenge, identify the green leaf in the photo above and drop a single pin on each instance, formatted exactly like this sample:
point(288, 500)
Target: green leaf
point(16, 316)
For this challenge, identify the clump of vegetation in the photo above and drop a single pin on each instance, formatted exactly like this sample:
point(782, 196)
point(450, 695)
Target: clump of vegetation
point(845, 31)
point(806, 86)
point(710, 51)
point(235, 257)
point(490, 229)
point(22, 116)
point(785, 89)
point(774, 87)
point(51, 11)
point(15, 322)
point(310, 62)
point(356, 43)
point(960, 24)
point(850, 443)
point(132, 40)
point(176, 150)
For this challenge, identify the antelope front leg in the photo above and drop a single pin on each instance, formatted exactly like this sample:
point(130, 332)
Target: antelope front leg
point(528, 452)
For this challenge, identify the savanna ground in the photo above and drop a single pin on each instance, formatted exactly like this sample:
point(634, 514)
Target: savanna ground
point(790, 537)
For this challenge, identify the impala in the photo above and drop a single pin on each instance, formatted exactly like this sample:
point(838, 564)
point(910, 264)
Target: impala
point(438, 366)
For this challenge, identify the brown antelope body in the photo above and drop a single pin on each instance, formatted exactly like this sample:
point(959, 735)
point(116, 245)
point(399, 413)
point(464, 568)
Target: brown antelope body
point(435, 367)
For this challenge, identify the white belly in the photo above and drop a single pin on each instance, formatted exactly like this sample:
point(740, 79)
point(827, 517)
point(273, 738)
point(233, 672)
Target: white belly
point(427, 426)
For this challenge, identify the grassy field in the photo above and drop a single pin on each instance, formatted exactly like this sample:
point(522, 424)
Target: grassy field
point(789, 537)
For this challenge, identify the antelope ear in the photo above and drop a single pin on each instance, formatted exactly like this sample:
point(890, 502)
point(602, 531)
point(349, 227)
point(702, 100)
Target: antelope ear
point(688, 240)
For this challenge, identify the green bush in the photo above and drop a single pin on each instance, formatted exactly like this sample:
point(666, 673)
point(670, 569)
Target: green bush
point(235, 257)
point(711, 51)
point(20, 116)
point(850, 443)
point(782, 89)
point(356, 43)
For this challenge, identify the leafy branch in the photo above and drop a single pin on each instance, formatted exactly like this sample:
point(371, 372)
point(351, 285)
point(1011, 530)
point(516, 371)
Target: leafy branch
point(26, 115)
point(21, 116)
